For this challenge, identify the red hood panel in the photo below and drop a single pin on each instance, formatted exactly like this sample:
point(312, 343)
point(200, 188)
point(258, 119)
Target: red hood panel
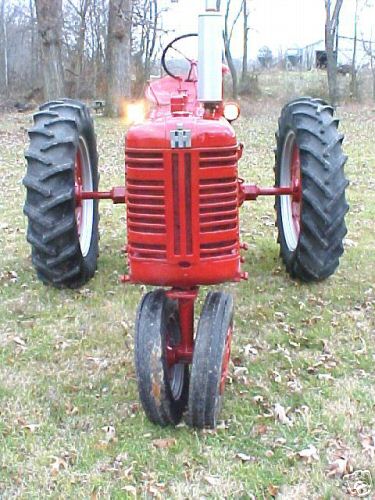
point(155, 133)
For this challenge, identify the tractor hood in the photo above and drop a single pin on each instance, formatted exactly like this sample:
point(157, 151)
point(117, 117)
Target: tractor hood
point(156, 133)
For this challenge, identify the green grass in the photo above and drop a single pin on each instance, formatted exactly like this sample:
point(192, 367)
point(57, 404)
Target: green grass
point(66, 357)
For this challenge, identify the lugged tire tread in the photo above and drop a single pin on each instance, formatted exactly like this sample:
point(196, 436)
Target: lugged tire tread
point(324, 206)
point(50, 201)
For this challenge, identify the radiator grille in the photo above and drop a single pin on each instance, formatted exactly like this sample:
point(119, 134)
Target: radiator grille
point(182, 206)
point(218, 204)
point(146, 206)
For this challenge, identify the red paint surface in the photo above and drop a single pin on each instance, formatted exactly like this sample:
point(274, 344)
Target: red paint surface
point(78, 189)
point(295, 181)
point(182, 204)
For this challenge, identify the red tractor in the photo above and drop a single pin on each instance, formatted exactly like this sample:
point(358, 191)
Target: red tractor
point(183, 193)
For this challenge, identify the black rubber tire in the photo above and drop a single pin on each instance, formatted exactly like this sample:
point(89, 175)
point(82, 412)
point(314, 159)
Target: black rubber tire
point(50, 201)
point(158, 316)
point(324, 206)
point(205, 400)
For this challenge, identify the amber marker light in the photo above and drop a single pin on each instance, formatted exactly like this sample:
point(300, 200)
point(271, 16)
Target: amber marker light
point(231, 111)
point(134, 112)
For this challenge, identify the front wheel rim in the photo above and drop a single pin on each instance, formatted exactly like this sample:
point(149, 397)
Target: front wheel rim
point(226, 359)
point(84, 210)
point(175, 371)
point(291, 205)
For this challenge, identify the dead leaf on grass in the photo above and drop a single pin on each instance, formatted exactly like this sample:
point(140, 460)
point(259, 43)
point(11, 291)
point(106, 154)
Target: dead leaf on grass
point(368, 443)
point(132, 490)
point(212, 480)
point(164, 443)
point(308, 454)
point(245, 458)
point(58, 465)
point(249, 350)
point(273, 490)
point(325, 376)
point(31, 427)
point(339, 467)
point(110, 434)
point(19, 341)
point(259, 430)
point(281, 415)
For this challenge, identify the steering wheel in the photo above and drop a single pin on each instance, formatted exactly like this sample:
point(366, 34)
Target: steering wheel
point(190, 61)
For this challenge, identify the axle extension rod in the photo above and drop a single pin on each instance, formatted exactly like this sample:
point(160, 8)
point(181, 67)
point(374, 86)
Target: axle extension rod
point(252, 191)
point(116, 194)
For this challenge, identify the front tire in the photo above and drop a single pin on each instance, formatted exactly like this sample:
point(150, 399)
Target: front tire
point(309, 158)
point(163, 388)
point(210, 360)
point(61, 160)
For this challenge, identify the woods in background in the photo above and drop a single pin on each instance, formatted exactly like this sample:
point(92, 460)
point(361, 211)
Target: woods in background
point(77, 48)
point(109, 48)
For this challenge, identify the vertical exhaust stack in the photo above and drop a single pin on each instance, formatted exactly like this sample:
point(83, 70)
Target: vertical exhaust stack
point(210, 43)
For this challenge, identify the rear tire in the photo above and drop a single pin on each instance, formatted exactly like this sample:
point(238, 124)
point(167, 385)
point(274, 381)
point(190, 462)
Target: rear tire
point(63, 234)
point(311, 223)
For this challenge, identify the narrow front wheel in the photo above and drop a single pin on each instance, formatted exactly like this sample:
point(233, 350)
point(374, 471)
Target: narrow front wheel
point(210, 360)
point(163, 386)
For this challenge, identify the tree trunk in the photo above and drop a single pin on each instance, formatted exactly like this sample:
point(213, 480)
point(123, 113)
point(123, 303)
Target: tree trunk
point(118, 55)
point(227, 35)
point(232, 69)
point(4, 81)
point(49, 15)
point(245, 39)
point(80, 47)
point(331, 30)
point(353, 78)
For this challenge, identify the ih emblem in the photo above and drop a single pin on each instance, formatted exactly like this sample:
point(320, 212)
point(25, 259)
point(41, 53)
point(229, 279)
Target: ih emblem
point(180, 138)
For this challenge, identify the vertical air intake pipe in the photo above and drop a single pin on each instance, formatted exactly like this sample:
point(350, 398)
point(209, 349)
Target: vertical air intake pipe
point(210, 45)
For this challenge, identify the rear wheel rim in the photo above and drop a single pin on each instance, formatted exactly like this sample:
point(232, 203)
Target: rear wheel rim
point(291, 205)
point(84, 210)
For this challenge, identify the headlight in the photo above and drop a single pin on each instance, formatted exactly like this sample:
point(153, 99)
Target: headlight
point(231, 111)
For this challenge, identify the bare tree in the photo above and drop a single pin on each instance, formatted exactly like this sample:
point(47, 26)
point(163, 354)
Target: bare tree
point(227, 35)
point(331, 37)
point(369, 48)
point(49, 15)
point(4, 77)
point(145, 19)
point(34, 49)
point(118, 55)
point(245, 11)
point(96, 40)
point(353, 76)
point(81, 10)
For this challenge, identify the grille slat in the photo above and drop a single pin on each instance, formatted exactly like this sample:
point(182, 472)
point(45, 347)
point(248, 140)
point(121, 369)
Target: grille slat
point(144, 160)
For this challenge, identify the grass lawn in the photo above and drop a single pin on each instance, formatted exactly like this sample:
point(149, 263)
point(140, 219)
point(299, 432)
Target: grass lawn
point(299, 410)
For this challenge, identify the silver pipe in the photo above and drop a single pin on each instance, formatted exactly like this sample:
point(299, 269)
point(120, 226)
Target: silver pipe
point(211, 6)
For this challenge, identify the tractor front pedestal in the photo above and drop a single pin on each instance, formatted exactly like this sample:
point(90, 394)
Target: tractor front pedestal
point(183, 351)
point(165, 347)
